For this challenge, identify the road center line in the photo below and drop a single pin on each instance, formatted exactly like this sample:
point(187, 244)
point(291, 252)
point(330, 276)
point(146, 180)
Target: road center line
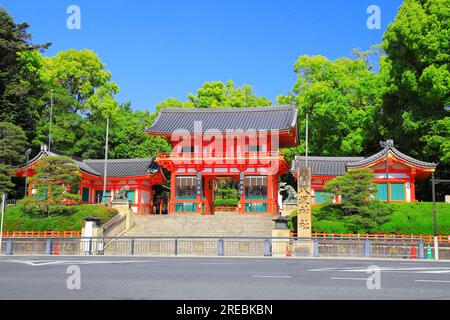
point(358, 279)
point(274, 277)
point(433, 281)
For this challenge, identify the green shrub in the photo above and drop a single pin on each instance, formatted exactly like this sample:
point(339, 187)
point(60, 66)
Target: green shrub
point(20, 218)
point(226, 202)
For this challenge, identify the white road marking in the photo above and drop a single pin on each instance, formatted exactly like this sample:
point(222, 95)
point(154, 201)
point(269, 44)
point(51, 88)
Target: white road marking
point(359, 279)
point(40, 263)
point(273, 277)
point(400, 270)
point(433, 281)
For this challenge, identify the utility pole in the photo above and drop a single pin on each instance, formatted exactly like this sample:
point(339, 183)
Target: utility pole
point(27, 154)
point(105, 173)
point(387, 144)
point(51, 120)
point(3, 218)
point(307, 139)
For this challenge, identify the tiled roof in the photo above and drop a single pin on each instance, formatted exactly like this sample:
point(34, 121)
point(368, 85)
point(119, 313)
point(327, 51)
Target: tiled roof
point(399, 154)
point(116, 168)
point(261, 118)
point(325, 166)
point(124, 168)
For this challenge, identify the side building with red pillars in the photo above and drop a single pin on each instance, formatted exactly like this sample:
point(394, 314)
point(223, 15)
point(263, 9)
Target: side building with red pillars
point(403, 172)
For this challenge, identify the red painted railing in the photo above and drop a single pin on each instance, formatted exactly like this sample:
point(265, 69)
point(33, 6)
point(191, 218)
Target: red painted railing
point(42, 234)
point(426, 238)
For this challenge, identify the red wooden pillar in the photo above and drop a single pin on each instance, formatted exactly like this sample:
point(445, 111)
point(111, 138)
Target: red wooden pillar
point(151, 199)
point(242, 196)
point(171, 204)
point(199, 202)
point(413, 189)
point(139, 197)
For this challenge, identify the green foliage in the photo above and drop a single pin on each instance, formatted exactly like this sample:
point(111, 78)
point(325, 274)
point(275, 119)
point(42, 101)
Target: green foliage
point(51, 181)
point(342, 99)
point(416, 72)
point(356, 188)
point(12, 149)
point(18, 90)
point(382, 218)
point(217, 94)
point(226, 195)
point(20, 218)
point(226, 202)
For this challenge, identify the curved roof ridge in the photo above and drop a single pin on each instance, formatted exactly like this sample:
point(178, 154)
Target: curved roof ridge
point(396, 152)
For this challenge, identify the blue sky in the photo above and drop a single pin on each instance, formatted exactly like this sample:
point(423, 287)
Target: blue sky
point(161, 49)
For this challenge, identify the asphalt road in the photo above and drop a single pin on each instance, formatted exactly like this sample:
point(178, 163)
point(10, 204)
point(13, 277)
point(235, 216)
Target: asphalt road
point(218, 278)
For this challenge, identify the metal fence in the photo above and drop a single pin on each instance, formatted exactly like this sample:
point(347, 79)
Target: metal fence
point(231, 246)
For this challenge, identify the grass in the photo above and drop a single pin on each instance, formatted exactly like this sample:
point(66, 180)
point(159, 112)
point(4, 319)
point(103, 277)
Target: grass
point(402, 218)
point(17, 219)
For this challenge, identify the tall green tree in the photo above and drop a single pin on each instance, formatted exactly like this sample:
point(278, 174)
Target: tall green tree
point(342, 99)
point(19, 91)
point(12, 152)
point(416, 71)
point(83, 94)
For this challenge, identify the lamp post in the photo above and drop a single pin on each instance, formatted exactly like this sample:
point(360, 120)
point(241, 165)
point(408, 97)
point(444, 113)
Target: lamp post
point(105, 172)
point(2, 219)
point(387, 144)
point(27, 155)
point(51, 120)
point(307, 139)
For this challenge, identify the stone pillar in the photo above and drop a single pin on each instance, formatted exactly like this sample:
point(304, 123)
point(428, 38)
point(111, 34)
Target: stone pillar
point(123, 206)
point(281, 247)
point(304, 228)
point(304, 202)
point(447, 199)
point(91, 230)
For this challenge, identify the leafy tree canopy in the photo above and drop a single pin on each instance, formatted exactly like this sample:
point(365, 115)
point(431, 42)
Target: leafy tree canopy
point(342, 100)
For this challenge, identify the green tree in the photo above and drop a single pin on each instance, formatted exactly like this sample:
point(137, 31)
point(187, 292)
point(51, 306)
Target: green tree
point(19, 91)
point(342, 99)
point(83, 94)
point(53, 176)
point(128, 139)
point(12, 149)
point(217, 94)
point(416, 72)
point(356, 189)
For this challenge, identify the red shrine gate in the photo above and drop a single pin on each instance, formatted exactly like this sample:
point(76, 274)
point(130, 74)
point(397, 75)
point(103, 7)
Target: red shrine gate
point(241, 144)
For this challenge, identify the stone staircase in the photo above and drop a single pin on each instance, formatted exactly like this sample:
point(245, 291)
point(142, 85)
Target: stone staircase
point(219, 225)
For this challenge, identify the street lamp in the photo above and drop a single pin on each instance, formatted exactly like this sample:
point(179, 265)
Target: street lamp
point(387, 144)
point(27, 154)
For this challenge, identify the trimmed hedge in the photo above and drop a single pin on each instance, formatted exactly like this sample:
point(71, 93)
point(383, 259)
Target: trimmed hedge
point(385, 218)
point(226, 202)
point(18, 218)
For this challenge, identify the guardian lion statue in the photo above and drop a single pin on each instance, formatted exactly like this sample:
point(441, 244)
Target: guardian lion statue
point(292, 195)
